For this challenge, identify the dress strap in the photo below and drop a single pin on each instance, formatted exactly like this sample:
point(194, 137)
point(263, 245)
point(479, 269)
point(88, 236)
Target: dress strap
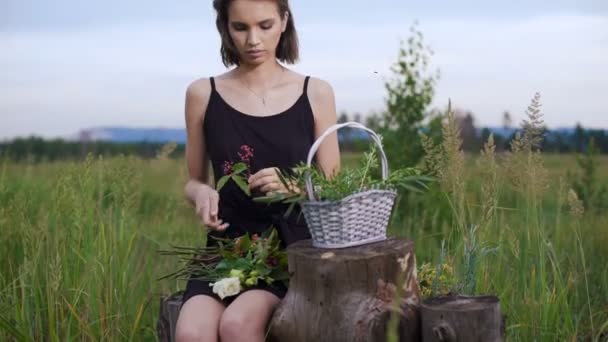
point(306, 84)
point(212, 83)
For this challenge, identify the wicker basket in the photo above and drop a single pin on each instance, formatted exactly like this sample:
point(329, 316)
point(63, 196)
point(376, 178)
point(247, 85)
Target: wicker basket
point(356, 219)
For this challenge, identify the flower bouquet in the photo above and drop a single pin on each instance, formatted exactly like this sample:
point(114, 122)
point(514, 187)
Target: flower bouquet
point(234, 265)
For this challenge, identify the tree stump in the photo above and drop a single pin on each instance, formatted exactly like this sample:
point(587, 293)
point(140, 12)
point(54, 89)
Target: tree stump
point(462, 318)
point(348, 294)
point(169, 310)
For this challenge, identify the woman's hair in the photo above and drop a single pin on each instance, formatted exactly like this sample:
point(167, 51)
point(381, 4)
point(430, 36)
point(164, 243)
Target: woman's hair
point(287, 50)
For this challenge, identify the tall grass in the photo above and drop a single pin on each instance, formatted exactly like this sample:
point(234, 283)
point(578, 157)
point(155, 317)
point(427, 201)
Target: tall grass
point(78, 256)
point(78, 248)
point(510, 233)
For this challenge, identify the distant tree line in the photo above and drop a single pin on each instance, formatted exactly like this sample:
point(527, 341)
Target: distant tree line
point(473, 138)
point(37, 149)
point(556, 141)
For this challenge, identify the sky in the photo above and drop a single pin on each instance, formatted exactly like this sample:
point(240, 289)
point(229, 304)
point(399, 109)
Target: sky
point(66, 65)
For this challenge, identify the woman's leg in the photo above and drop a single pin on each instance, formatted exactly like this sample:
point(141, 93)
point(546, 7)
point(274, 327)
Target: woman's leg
point(199, 319)
point(246, 318)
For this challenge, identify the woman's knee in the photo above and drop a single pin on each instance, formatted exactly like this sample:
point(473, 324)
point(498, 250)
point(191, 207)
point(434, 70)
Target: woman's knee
point(192, 334)
point(190, 329)
point(198, 320)
point(234, 326)
point(245, 319)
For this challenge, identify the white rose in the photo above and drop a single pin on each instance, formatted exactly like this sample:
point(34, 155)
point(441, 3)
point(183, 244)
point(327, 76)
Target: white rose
point(233, 286)
point(227, 287)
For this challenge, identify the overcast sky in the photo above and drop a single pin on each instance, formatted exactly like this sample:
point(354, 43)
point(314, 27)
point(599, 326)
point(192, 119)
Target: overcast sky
point(67, 65)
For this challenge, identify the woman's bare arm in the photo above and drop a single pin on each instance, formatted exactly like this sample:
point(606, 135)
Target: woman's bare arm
point(323, 104)
point(197, 189)
point(197, 99)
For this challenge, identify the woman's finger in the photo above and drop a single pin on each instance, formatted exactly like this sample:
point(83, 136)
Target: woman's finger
point(260, 182)
point(216, 225)
point(269, 171)
point(223, 227)
point(219, 225)
point(213, 206)
point(274, 186)
point(204, 212)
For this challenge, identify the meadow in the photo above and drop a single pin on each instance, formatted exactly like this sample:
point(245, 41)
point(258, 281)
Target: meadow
point(79, 242)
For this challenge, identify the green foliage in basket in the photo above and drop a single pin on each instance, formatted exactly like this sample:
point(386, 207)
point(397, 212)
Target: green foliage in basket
point(344, 183)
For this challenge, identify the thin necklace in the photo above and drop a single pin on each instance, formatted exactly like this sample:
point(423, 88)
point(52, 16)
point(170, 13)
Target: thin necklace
point(263, 98)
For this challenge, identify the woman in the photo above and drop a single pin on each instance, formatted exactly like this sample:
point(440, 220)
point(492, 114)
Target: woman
point(267, 116)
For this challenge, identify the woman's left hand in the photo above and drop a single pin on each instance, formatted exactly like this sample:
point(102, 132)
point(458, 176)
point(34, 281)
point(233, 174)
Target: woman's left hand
point(268, 181)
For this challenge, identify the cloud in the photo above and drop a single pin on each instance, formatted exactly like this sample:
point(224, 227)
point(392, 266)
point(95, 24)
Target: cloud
point(56, 82)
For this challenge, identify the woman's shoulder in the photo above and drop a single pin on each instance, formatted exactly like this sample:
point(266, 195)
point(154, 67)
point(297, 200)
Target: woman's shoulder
point(201, 87)
point(319, 88)
point(321, 97)
point(315, 85)
point(198, 93)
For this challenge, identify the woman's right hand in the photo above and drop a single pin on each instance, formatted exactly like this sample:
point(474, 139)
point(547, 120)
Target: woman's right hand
point(206, 202)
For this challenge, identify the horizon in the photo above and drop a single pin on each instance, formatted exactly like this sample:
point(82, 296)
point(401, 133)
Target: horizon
point(101, 130)
point(74, 66)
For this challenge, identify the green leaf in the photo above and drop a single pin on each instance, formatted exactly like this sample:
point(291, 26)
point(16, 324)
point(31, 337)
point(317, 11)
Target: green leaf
point(222, 182)
point(295, 198)
point(224, 265)
point(289, 209)
point(264, 271)
point(282, 178)
point(240, 181)
point(274, 197)
point(243, 264)
point(245, 242)
point(268, 233)
point(410, 188)
point(238, 168)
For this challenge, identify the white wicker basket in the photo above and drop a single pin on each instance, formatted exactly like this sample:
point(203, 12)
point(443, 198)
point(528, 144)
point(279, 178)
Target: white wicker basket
point(355, 220)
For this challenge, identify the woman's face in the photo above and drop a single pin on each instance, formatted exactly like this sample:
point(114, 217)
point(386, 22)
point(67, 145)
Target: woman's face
point(255, 27)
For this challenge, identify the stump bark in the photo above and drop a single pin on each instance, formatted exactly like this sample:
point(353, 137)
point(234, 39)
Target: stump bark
point(462, 318)
point(169, 311)
point(349, 294)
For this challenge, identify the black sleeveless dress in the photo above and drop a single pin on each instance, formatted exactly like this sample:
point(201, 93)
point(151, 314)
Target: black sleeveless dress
point(281, 140)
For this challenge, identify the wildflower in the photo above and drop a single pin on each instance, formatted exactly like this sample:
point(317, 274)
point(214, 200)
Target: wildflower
point(237, 273)
point(227, 167)
point(432, 284)
point(246, 153)
point(227, 287)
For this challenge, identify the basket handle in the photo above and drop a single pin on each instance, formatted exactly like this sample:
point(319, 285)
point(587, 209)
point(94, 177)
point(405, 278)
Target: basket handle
point(330, 130)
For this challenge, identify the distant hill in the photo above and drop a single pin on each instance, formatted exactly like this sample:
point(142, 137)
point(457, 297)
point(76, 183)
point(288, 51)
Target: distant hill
point(130, 135)
point(178, 135)
point(163, 135)
point(508, 131)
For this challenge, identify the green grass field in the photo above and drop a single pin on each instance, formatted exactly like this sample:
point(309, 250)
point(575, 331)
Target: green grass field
point(79, 241)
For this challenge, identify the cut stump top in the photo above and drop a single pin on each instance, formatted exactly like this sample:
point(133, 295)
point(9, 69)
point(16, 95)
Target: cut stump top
point(370, 250)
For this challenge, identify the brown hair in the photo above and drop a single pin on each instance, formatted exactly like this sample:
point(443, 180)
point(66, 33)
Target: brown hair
point(287, 51)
